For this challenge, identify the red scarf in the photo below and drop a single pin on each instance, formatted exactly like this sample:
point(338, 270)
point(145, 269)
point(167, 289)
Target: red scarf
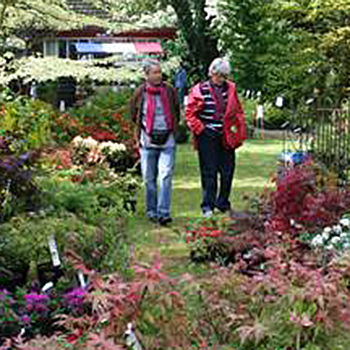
point(151, 107)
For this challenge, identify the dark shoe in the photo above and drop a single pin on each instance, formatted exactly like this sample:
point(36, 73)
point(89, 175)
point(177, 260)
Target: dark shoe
point(165, 221)
point(224, 210)
point(153, 219)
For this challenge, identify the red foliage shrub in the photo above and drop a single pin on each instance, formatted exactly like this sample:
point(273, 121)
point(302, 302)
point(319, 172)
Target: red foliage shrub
point(298, 200)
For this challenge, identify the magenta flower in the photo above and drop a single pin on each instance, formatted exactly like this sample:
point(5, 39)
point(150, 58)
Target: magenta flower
point(75, 298)
point(36, 302)
point(25, 319)
point(4, 294)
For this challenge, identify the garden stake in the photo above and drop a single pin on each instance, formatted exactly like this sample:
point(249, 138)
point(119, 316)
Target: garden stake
point(131, 340)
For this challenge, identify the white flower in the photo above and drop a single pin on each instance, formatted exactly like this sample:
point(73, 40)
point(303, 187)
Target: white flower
point(344, 235)
point(122, 147)
point(77, 141)
point(326, 234)
point(327, 230)
point(346, 245)
point(329, 247)
point(335, 240)
point(337, 228)
point(317, 241)
point(112, 147)
point(345, 222)
point(90, 143)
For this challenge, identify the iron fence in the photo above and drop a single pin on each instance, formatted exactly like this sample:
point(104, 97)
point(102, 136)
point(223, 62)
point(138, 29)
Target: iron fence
point(323, 131)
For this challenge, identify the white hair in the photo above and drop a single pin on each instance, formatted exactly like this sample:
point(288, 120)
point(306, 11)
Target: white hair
point(220, 66)
point(149, 64)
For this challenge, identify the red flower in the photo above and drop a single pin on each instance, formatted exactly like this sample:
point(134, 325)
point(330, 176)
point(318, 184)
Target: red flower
point(75, 336)
point(215, 233)
point(104, 136)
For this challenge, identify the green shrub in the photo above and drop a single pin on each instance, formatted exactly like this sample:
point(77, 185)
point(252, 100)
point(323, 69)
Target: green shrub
point(18, 190)
point(28, 120)
point(24, 243)
point(249, 106)
point(90, 199)
point(88, 219)
point(275, 117)
point(102, 108)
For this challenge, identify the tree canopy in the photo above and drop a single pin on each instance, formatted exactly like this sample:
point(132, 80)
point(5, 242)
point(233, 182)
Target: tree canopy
point(288, 47)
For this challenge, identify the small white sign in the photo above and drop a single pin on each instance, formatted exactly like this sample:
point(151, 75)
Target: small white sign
point(62, 106)
point(279, 101)
point(81, 279)
point(54, 252)
point(47, 287)
point(260, 112)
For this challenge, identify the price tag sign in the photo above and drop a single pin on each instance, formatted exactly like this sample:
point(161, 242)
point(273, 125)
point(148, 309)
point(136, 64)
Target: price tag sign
point(54, 252)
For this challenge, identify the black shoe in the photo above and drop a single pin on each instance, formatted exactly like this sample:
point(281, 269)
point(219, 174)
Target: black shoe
point(165, 221)
point(224, 210)
point(153, 219)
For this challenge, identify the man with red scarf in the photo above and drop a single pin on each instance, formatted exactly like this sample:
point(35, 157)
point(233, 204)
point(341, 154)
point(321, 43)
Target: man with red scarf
point(216, 119)
point(155, 110)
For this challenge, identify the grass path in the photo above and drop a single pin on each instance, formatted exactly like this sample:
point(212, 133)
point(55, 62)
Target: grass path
point(256, 163)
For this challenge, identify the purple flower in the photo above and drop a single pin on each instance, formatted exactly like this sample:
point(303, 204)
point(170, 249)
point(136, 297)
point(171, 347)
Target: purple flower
point(24, 157)
point(36, 302)
point(3, 144)
point(5, 295)
point(25, 319)
point(75, 298)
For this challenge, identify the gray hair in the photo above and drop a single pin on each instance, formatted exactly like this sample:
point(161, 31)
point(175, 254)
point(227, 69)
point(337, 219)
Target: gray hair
point(220, 66)
point(149, 64)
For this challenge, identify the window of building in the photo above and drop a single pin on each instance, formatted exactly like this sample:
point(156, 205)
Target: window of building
point(50, 48)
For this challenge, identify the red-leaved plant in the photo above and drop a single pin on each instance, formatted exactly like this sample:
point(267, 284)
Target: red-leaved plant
point(151, 301)
point(298, 200)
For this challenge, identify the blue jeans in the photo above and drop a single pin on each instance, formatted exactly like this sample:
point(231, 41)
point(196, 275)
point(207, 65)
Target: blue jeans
point(154, 162)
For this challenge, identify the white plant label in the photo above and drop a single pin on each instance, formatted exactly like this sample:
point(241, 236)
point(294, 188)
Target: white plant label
point(279, 101)
point(81, 279)
point(260, 112)
point(54, 252)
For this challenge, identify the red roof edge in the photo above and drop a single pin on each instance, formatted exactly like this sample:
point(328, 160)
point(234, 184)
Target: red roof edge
point(157, 33)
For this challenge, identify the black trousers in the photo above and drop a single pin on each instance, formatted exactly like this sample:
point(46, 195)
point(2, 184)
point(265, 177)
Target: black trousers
point(215, 160)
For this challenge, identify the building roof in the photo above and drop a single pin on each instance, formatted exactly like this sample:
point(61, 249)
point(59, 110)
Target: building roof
point(91, 32)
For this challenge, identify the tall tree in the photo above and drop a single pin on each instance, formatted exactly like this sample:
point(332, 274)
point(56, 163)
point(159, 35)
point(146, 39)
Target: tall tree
point(289, 47)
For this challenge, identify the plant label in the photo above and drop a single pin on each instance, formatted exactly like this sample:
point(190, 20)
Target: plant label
point(54, 252)
point(81, 279)
point(260, 112)
point(279, 101)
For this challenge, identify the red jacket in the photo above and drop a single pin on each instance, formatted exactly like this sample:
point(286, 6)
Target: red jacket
point(234, 121)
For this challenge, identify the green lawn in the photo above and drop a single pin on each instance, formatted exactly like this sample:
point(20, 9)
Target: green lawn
point(256, 163)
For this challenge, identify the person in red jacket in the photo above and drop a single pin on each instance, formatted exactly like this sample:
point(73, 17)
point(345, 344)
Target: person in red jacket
point(216, 119)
